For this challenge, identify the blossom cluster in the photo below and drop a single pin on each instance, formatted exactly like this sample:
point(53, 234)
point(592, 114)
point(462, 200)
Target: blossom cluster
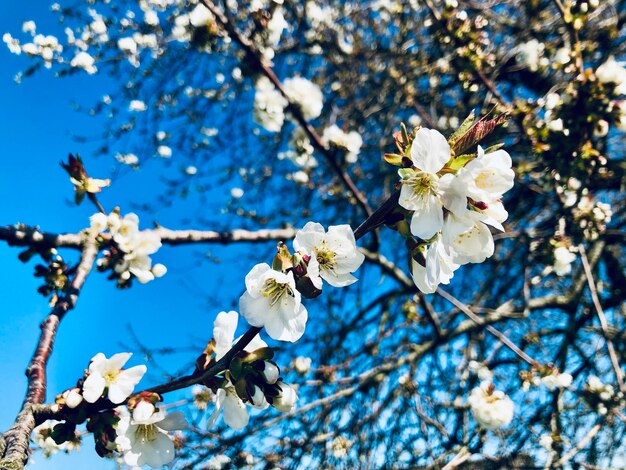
point(138, 431)
point(254, 381)
point(273, 297)
point(129, 254)
point(270, 104)
point(451, 202)
point(491, 408)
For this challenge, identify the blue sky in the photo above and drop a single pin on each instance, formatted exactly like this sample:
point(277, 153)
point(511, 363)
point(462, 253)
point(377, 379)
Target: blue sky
point(37, 123)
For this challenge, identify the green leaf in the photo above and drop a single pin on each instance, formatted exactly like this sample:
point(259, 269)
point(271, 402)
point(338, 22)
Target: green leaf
point(393, 159)
point(460, 161)
point(494, 148)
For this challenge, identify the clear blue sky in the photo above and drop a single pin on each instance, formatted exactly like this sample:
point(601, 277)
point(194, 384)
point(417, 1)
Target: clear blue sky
point(37, 124)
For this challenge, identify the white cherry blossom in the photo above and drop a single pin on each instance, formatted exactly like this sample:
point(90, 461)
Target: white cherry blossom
point(306, 95)
point(491, 408)
point(272, 301)
point(420, 189)
point(107, 374)
point(563, 259)
point(335, 251)
point(269, 105)
point(142, 436)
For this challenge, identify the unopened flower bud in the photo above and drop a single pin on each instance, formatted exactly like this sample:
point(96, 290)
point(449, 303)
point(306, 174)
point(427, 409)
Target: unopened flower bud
point(258, 398)
point(287, 398)
point(72, 397)
point(270, 372)
point(159, 270)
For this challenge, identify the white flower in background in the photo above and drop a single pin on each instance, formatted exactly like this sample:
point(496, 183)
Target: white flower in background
point(306, 95)
point(531, 53)
point(604, 391)
point(127, 45)
point(563, 259)
point(269, 105)
point(491, 408)
point(107, 374)
point(164, 151)
point(272, 301)
point(556, 380)
point(84, 61)
point(12, 43)
point(613, 72)
point(202, 396)
point(351, 141)
point(236, 193)
point(481, 370)
point(235, 411)
point(200, 16)
point(340, 446)
point(439, 268)
point(127, 159)
point(276, 26)
point(42, 437)
point(217, 462)
point(302, 365)
point(191, 170)
point(224, 329)
point(420, 189)
point(137, 106)
point(335, 251)
point(29, 27)
point(300, 177)
point(98, 221)
point(287, 398)
point(545, 441)
point(142, 436)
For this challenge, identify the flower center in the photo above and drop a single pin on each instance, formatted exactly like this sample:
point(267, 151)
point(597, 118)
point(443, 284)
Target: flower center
point(146, 432)
point(483, 180)
point(424, 183)
point(275, 290)
point(325, 257)
point(111, 375)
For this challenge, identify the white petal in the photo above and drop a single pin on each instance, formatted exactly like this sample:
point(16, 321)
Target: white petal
point(173, 421)
point(93, 387)
point(254, 310)
point(430, 150)
point(235, 412)
point(427, 221)
point(224, 331)
point(287, 329)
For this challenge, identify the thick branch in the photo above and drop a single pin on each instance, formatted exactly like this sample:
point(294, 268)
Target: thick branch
point(17, 437)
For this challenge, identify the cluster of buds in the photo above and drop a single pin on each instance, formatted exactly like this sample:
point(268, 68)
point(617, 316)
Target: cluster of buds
point(548, 376)
point(250, 377)
point(55, 273)
point(603, 397)
point(129, 248)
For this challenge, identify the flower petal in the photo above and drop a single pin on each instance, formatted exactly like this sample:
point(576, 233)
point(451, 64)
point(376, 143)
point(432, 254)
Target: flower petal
point(430, 150)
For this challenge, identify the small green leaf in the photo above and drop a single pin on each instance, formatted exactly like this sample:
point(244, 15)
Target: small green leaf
point(494, 148)
point(393, 159)
point(460, 161)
